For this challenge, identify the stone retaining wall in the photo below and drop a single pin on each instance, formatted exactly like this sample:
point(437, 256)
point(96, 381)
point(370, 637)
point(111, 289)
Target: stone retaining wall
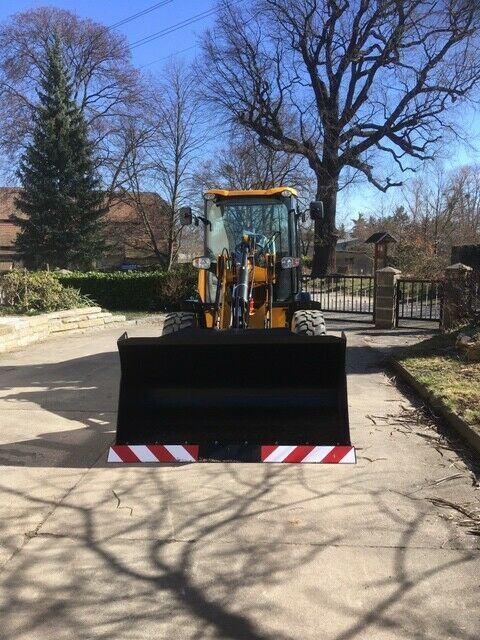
point(20, 331)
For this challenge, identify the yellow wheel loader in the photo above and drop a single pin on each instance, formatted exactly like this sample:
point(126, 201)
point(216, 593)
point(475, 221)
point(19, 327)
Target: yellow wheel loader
point(245, 371)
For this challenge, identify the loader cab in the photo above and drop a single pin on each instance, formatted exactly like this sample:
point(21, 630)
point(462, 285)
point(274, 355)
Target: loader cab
point(269, 216)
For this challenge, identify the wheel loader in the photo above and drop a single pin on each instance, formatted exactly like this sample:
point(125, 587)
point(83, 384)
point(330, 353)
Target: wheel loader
point(244, 371)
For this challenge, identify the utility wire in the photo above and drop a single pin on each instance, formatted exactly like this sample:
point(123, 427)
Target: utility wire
point(139, 14)
point(172, 28)
point(171, 55)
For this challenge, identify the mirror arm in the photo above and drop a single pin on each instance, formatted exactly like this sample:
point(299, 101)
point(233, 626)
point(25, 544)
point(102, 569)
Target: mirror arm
point(300, 215)
point(204, 220)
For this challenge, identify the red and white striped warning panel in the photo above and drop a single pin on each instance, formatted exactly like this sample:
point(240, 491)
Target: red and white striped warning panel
point(304, 453)
point(248, 453)
point(153, 453)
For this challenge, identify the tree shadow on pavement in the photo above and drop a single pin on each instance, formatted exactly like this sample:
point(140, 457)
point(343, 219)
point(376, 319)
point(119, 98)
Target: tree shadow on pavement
point(230, 561)
point(82, 393)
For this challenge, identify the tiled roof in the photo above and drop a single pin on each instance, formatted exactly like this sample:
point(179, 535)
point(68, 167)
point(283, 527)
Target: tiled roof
point(381, 236)
point(122, 210)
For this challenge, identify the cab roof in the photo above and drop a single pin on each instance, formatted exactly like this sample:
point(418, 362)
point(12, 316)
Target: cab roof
point(251, 192)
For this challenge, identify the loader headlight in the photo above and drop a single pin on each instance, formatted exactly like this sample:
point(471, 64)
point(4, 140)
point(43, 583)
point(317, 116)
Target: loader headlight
point(289, 263)
point(210, 196)
point(203, 262)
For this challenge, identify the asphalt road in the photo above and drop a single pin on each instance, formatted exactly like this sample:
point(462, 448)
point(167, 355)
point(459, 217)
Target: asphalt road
point(229, 551)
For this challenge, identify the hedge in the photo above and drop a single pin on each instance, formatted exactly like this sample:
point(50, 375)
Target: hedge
point(135, 291)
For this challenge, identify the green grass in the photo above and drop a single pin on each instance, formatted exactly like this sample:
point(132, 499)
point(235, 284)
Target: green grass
point(437, 364)
point(134, 315)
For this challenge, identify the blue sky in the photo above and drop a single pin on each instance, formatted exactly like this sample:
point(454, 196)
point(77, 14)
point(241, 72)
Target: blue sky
point(184, 42)
point(112, 11)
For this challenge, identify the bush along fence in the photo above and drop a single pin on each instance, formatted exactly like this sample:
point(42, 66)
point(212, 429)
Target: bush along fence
point(137, 291)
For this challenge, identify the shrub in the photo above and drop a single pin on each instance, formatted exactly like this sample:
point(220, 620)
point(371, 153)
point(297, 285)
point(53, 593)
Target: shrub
point(307, 262)
point(24, 291)
point(135, 291)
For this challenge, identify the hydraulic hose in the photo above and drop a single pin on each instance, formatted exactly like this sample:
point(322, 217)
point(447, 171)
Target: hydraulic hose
point(240, 289)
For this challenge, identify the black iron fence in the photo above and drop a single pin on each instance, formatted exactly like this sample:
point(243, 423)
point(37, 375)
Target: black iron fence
point(344, 294)
point(419, 300)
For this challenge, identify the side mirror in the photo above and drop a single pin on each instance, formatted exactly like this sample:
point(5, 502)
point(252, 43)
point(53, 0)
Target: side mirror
point(186, 216)
point(316, 210)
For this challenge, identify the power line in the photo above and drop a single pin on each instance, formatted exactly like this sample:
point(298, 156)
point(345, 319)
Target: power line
point(175, 53)
point(169, 30)
point(139, 14)
point(172, 28)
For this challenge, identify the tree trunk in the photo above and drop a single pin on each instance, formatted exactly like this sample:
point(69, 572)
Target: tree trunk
point(171, 245)
point(325, 238)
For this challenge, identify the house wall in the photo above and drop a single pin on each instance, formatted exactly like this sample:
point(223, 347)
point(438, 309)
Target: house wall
point(354, 263)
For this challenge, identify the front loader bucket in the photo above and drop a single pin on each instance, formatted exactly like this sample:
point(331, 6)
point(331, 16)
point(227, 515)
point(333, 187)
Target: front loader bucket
point(252, 395)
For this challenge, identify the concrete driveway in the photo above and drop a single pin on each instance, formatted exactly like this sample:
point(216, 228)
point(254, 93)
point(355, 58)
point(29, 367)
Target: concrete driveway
point(254, 552)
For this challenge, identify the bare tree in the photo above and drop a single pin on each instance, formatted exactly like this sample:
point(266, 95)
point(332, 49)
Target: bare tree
point(243, 163)
point(181, 137)
point(464, 195)
point(159, 151)
point(445, 207)
point(105, 83)
point(340, 82)
point(132, 184)
point(442, 209)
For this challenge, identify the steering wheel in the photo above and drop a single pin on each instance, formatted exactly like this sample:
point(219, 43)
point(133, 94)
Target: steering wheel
point(268, 241)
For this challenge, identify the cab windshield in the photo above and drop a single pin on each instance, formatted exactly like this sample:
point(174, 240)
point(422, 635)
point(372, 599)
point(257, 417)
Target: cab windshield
point(267, 222)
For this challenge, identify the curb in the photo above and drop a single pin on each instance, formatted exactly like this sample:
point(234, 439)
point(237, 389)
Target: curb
point(452, 419)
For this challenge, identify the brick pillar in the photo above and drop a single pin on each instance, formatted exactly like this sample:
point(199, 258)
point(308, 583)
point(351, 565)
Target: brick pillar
point(455, 295)
point(385, 297)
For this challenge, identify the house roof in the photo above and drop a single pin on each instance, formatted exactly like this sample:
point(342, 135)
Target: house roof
point(120, 211)
point(122, 207)
point(380, 237)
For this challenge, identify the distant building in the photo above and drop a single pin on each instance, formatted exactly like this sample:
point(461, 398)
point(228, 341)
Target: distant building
point(352, 257)
point(128, 242)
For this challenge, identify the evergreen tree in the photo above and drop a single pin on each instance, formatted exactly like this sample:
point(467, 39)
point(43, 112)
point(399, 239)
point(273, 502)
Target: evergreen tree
point(61, 198)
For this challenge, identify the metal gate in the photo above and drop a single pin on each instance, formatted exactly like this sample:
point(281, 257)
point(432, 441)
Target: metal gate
point(343, 294)
point(419, 300)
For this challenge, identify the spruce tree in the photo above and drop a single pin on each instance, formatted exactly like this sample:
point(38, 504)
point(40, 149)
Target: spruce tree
point(61, 197)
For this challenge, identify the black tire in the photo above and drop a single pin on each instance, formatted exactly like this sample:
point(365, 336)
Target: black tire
point(309, 322)
point(177, 321)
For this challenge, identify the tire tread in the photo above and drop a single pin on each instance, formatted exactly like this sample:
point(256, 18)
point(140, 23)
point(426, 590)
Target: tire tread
point(177, 321)
point(309, 322)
